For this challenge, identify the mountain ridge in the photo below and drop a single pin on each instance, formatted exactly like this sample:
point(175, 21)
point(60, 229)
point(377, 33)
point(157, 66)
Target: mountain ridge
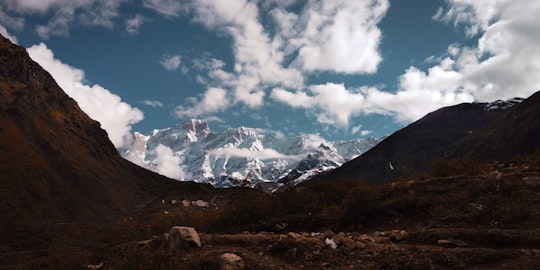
point(415, 149)
point(56, 164)
point(242, 156)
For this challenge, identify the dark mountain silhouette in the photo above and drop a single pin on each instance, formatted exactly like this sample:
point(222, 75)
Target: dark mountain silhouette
point(412, 149)
point(515, 133)
point(56, 164)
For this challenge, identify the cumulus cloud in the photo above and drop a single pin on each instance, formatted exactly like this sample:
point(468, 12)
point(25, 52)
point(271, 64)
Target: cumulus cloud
point(258, 58)
point(171, 62)
point(213, 100)
point(246, 153)
point(343, 36)
point(167, 163)
point(134, 24)
point(337, 36)
point(333, 103)
point(279, 45)
point(152, 103)
point(502, 64)
point(116, 117)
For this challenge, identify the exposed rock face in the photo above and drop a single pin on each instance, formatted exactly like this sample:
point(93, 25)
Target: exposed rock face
point(180, 235)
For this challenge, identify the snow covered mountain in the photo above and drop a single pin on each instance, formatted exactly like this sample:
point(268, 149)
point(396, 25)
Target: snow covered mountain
point(239, 156)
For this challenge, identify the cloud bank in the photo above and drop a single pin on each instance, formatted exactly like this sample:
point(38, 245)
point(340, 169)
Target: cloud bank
point(116, 117)
point(247, 153)
point(326, 36)
point(279, 46)
point(502, 64)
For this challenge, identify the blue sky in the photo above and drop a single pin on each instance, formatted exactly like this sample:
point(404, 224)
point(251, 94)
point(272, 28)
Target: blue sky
point(339, 68)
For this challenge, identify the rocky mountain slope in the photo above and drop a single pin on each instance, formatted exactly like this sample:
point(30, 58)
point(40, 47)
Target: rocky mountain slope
point(413, 149)
point(517, 132)
point(56, 164)
point(241, 156)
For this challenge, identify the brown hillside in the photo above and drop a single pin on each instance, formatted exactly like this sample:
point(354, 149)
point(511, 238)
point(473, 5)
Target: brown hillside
point(56, 164)
point(412, 149)
point(515, 133)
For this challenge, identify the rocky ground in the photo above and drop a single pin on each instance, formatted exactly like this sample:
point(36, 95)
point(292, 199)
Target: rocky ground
point(487, 218)
point(396, 249)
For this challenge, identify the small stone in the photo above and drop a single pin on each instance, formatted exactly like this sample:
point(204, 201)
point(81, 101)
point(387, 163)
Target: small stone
point(339, 238)
point(293, 235)
point(231, 261)
point(330, 243)
point(445, 243)
point(451, 243)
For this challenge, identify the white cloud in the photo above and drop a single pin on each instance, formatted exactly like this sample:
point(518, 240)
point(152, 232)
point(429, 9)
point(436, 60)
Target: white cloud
point(171, 62)
point(503, 64)
point(168, 8)
point(246, 153)
point(258, 58)
point(134, 24)
point(4, 33)
point(356, 129)
point(475, 16)
point(66, 13)
point(57, 26)
point(152, 103)
point(338, 36)
point(214, 100)
point(365, 132)
point(167, 163)
point(331, 36)
point(15, 23)
point(115, 116)
point(333, 103)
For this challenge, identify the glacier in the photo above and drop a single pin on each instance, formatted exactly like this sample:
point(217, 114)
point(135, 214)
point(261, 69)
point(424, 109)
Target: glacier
point(239, 156)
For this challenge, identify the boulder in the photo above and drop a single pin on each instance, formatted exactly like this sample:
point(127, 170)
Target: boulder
point(179, 236)
point(231, 261)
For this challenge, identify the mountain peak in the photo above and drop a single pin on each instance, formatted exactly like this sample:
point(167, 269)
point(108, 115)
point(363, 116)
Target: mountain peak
point(196, 126)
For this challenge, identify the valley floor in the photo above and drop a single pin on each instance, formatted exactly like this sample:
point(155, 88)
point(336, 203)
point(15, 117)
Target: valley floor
point(488, 219)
